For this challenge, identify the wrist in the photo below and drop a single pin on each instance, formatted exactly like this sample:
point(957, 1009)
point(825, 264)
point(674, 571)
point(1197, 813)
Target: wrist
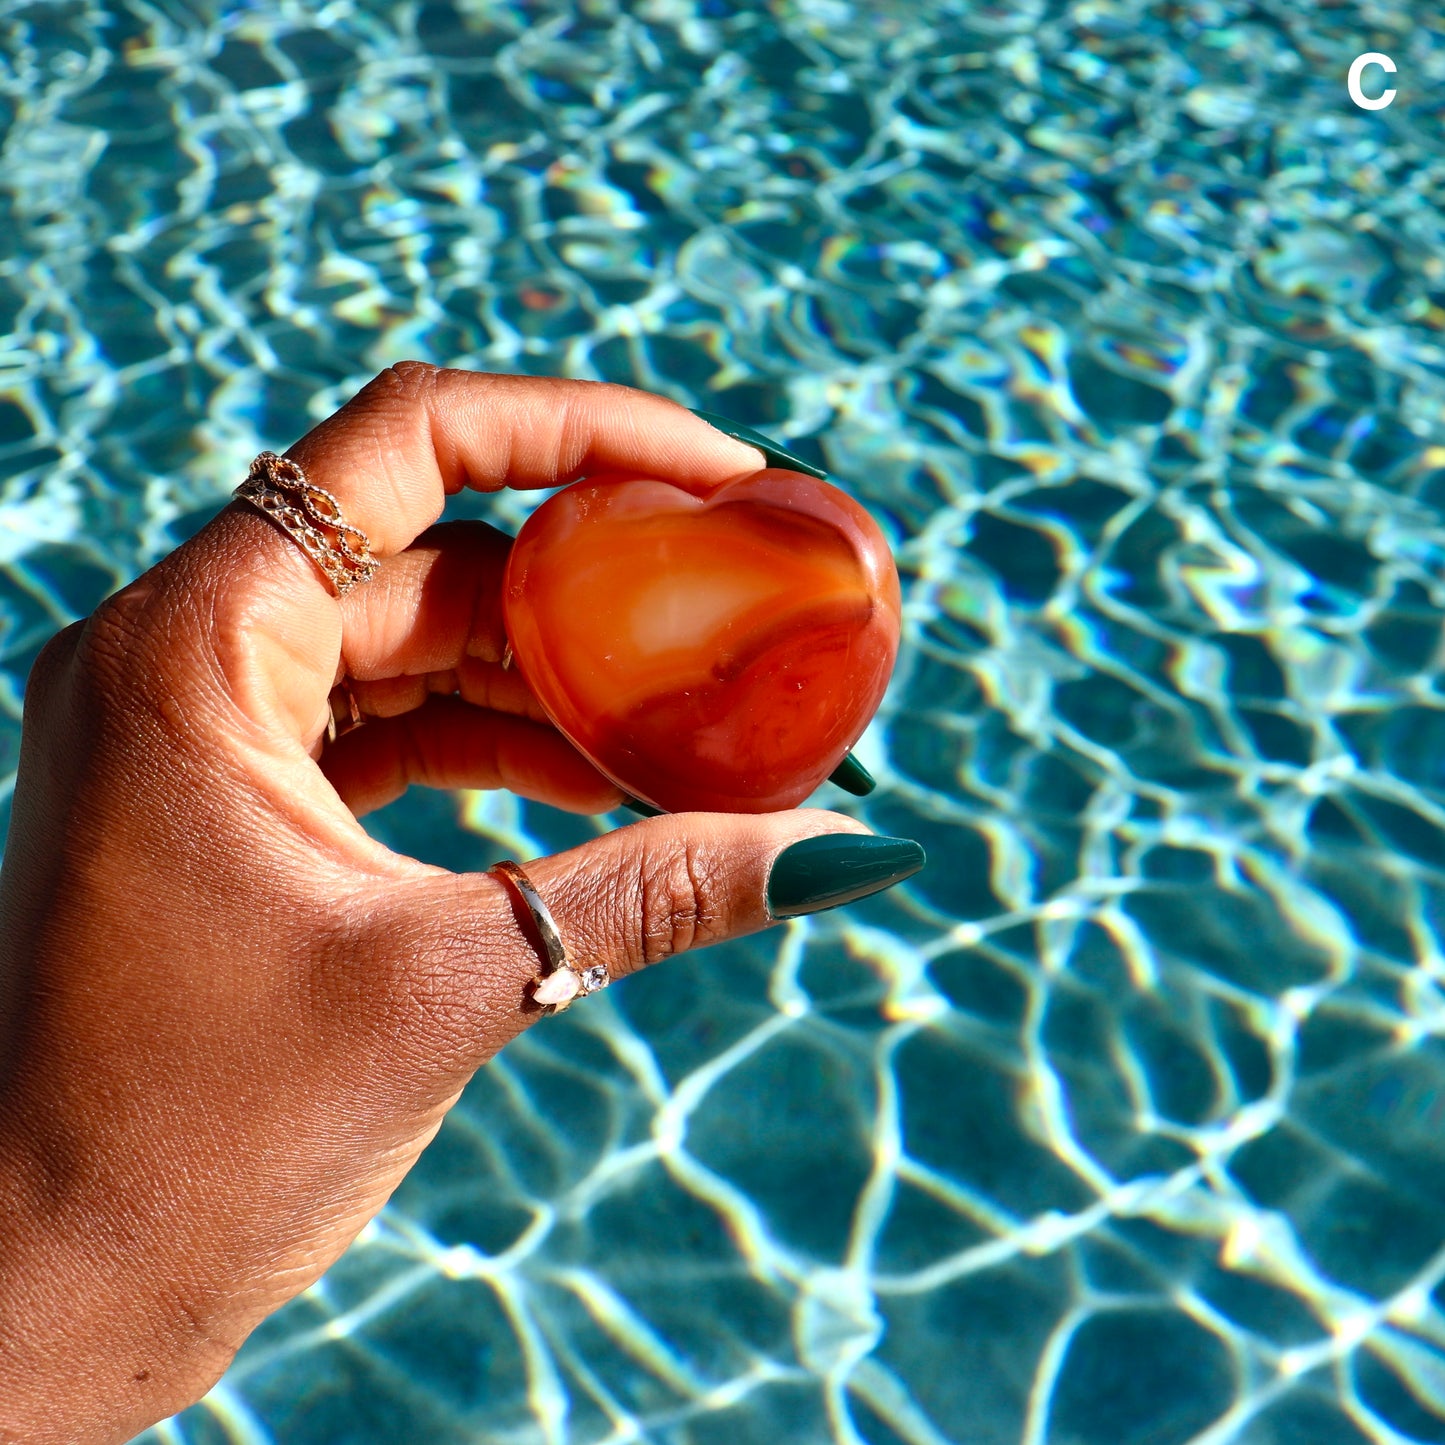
point(95, 1346)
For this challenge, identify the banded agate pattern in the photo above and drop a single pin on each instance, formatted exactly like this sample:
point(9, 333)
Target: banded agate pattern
point(713, 648)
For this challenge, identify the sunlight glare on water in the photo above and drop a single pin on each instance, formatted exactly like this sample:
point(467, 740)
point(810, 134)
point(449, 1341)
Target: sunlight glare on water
point(1124, 1122)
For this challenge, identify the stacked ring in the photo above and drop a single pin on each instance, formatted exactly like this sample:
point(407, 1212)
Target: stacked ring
point(311, 516)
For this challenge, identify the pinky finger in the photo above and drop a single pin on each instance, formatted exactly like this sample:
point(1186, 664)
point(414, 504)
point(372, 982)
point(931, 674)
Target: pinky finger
point(448, 743)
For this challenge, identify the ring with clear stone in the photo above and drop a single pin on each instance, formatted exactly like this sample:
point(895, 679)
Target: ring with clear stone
point(559, 983)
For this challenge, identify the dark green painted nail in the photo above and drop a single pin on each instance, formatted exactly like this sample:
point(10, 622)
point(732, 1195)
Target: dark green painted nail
point(837, 868)
point(643, 810)
point(775, 454)
point(853, 777)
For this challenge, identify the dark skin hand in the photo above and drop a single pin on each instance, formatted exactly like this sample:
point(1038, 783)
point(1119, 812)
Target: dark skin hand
point(229, 1019)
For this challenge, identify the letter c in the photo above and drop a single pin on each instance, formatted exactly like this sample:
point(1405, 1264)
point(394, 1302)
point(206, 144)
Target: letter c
point(1357, 95)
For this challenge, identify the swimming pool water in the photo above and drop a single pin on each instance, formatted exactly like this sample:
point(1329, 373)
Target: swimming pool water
point(1125, 1121)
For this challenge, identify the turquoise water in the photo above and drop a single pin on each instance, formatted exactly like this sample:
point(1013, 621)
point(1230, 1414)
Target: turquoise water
point(1124, 1122)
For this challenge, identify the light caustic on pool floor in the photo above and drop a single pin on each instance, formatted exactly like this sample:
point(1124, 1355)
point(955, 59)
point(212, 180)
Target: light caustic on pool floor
point(1122, 1121)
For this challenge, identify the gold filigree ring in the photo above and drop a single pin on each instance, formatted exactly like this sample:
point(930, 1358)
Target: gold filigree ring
point(312, 517)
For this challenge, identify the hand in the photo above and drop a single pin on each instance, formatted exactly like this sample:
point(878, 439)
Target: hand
point(229, 1019)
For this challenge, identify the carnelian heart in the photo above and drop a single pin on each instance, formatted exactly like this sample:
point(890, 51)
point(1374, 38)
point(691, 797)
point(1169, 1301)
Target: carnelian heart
point(719, 648)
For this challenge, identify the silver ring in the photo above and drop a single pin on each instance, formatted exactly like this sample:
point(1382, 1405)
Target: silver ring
point(559, 983)
point(350, 720)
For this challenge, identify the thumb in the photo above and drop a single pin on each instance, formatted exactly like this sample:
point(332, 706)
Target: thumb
point(466, 951)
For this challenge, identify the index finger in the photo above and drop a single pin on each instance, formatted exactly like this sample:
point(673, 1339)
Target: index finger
point(418, 433)
point(390, 457)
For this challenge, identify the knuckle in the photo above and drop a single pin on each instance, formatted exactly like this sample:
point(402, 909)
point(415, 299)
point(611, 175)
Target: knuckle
point(114, 631)
point(680, 901)
point(126, 623)
point(113, 693)
point(411, 759)
point(51, 663)
point(408, 378)
point(126, 648)
point(395, 407)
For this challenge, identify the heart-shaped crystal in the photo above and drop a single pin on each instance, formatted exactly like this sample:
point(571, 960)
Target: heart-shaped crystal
point(714, 648)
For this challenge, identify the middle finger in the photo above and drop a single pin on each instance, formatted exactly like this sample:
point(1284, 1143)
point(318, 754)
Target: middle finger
point(435, 608)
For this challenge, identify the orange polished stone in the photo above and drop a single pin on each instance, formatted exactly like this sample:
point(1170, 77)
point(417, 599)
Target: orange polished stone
point(718, 649)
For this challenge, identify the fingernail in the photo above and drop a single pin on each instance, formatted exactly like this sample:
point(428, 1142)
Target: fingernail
point(837, 868)
point(770, 449)
point(643, 810)
point(853, 777)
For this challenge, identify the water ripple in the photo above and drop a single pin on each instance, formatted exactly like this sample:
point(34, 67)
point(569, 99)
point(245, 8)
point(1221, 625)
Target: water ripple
point(1122, 1121)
